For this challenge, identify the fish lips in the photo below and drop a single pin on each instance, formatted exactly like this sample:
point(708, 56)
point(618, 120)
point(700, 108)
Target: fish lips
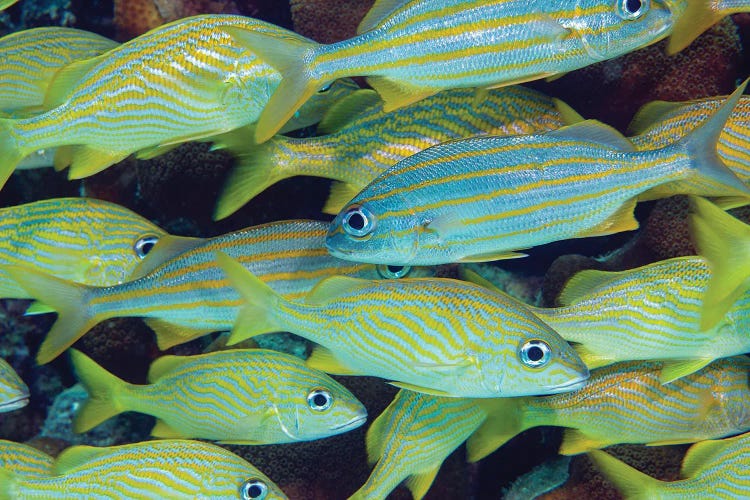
point(351, 424)
point(570, 386)
point(15, 403)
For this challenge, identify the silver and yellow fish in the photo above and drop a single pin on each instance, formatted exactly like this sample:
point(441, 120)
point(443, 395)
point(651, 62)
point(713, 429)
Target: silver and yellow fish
point(693, 17)
point(483, 198)
point(183, 81)
point(363, 140)
point(627, 403)
point(14, 393)
point(30, 59)
point(411, 439)
point(253, 396)
point(714, 469)
point(413, 49)
point(174, 469)
point(189, 296)
point(24, 460)
point(438, 336)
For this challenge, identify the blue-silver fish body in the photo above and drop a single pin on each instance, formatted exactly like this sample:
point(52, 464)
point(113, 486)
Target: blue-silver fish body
point(13, 391)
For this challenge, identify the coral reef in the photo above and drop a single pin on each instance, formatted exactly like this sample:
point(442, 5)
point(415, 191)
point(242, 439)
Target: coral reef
point(328, 21)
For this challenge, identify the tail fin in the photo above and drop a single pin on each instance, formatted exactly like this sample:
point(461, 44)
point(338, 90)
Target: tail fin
point(102, 387)
point(697, 18)
point(288, 54)
point(10, 154)
point(259, 167)
point(725, 243)
point(504, 421)
point(257, 315)
point(65, 297)
point(341, 194)
point(633, 484)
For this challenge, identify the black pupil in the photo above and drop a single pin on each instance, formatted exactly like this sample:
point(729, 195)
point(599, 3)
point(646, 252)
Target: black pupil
point(146, 247)
point(320, 400)
point(395, 269)
point(356, 221)
point(633, 6)
point(535, 353)
point(254, 491)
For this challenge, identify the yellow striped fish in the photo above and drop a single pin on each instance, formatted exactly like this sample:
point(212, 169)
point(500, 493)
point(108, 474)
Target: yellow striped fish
point(364, 140)
point(660, 123)
point(4, 4)
point(182, 81)
point(693, 17)
point(723, 241)
point(439, 336)
point(627, 403)
point(715, 469)
point(415, 48)
point(251, 396)
point(30, 59)
point(174, 469)
point(13, 392)
point(482, 198)
point(189, 296)
point(411, 439)
point(24, 460)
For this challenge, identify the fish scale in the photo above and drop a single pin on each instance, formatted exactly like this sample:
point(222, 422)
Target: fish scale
point(24, 459)
point(13, 391)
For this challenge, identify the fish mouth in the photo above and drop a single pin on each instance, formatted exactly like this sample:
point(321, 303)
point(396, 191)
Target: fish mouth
point(14, 404)
point(573, 385)
point(351, 424)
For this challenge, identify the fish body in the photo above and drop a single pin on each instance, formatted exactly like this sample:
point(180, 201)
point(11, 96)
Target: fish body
point(413, 49)
point(359, 145)
point(182, 81)
point(24, 460)
point(29, 60)
point(714, 469)
point(175, 469)
point(411, 439)
point(252, 396)
point(652, 312)
point(482, 198)
point(439, 336)
point(627, 403)
point(693, 17)
point(13, 391)
point(189, 296)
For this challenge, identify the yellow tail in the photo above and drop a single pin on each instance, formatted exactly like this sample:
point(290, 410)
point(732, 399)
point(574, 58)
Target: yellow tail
point(10, 154)
point(102, 387)
point(633, 484)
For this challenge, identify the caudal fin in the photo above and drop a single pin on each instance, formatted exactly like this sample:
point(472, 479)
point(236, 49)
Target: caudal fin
point(10, 154)
point(632, 483)
point(65, 297)
point(699, 15)
point(288, 54)
point(102, 388)
point(725, 243)
point(504, 421)
point(257, 315)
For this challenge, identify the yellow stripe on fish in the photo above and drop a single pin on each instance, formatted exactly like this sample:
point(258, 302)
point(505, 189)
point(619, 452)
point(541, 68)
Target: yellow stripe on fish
point(30, 59)
point(24, 460)
point(13, 391)
point(627, 403)
point(411, 439)
point(238, 396)
point(364, 140)
point(413, 49)
point(182, 81)
point(188, 296)
point(174, 469)
point(438, 336)
point(715, 469)
point(483, 198)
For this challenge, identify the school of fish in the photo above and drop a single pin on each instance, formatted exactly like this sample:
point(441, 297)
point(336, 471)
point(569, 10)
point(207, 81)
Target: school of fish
point(443, 161)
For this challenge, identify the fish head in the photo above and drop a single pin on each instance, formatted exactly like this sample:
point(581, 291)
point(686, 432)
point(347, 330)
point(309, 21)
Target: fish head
point(608, 28)
point(256, 486)
point(13, 392)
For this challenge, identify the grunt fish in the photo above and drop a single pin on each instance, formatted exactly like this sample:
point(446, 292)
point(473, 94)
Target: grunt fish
point(13, 392)
point(693, 17)
point(24, 460)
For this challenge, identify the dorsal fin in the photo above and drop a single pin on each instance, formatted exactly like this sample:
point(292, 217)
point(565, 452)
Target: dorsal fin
point(380, 10)
point(582, 283)
point(347, 109)
point(594, 131)
point(333, 287)
point(166, 364)
point(651, 113)
point(375, 437)
point(700, 453)
point(76, 456)
point(66, 80)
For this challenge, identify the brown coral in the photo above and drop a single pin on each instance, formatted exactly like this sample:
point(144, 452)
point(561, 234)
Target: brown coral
point(135, 17)
point(328, 21)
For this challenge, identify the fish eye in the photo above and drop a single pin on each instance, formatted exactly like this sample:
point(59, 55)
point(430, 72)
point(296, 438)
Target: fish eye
point(392, 272)
point(144, 245)
point(358, 222)
point(535, 353)
point(319, 400)
point(631, 9)
point(325, 89)
point(253, 489)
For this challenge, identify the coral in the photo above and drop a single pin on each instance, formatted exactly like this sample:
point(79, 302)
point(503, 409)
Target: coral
point(539, 480)
point(328, 21)
point(519, 285)
point(135, 17)
point(50, 446)
point(561, 270)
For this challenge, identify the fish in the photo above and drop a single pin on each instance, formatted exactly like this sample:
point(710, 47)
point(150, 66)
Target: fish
point(485, 198)
point(434, 335)
point(24, 460)
point(362, 140)
point(627, 403)
point(4, 4)
point(693, 17)
point(179, 82)
point(240, 396)
point(411, 439)
point(723, 241)
point(31, 58)
point(715, 469)
point(14, 393)
point(188, 296)
point(175, 469)
point(411, 49)
point(660, 123)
